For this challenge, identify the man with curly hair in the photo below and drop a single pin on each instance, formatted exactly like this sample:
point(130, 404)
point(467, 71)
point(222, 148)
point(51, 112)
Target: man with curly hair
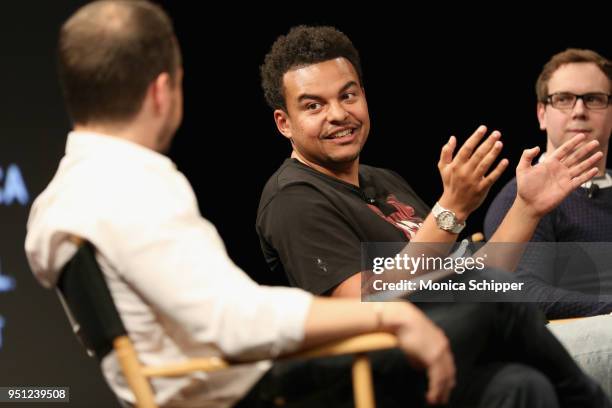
point(321, 204)
point(178, 293)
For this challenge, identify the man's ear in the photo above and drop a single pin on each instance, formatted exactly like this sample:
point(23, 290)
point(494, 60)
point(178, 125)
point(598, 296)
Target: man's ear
point(541, 112)
point(160, 92)
point(283, 123)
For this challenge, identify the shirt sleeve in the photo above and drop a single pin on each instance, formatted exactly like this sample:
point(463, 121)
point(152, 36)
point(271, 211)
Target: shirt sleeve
point(180, 263)
point(316, 245)
point(159, 244)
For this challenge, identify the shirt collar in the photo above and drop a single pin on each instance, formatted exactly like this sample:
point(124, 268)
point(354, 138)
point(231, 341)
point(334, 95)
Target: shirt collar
point(93, 143)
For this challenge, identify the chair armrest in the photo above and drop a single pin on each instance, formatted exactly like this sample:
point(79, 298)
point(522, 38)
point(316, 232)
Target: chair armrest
point(563, 321)
point(353, 345)
point(193, 364)
point(478, 237)
point(356, 344)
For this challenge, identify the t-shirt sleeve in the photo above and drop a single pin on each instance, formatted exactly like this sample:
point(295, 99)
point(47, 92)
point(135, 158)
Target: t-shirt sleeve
point(316, 245)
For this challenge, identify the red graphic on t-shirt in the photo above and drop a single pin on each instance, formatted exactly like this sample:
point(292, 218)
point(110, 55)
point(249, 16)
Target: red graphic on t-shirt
point(403, 218)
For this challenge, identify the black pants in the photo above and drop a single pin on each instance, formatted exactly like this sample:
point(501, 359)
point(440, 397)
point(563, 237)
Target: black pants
point(504, 354)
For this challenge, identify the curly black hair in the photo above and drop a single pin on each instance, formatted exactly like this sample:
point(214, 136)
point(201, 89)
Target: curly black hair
point(302, 46)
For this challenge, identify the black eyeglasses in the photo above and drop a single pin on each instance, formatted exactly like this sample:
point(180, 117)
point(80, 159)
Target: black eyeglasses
point(567, 100)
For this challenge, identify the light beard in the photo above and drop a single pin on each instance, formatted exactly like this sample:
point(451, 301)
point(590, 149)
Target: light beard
point(167, 131)
point(341, 164)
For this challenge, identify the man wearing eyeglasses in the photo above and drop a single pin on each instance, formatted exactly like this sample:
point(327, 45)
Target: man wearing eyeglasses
point(571, 279)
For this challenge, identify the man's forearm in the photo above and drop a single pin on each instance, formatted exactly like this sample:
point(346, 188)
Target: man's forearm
point(518, 225)
point(505, 248)
point(332, 318)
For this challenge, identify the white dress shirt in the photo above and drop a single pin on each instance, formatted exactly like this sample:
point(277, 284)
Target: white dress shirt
point(176, 289)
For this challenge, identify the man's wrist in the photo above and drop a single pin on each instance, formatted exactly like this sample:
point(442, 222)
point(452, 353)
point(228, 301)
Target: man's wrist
point(397, 316)
point(378, 312)
point(447, 219)
point(526, 210)
point(461, 214)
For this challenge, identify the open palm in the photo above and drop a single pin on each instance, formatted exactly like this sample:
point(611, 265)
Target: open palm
point(544, 185)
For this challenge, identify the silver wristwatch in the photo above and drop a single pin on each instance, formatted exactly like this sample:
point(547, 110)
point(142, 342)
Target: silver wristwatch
point(446, 219)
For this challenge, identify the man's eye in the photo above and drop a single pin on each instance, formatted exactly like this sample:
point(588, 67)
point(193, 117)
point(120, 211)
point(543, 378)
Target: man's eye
point(564, 97)
point(348, 95)
point(313, 106)
point(595, 98)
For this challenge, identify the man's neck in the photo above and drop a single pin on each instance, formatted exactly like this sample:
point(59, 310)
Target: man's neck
point(122, 131)
point(348, 173)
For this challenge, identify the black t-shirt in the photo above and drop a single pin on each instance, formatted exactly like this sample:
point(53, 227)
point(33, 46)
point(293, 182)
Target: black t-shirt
point(311, 225)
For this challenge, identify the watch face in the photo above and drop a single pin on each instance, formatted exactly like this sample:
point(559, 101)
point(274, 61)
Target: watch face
point(446, 220)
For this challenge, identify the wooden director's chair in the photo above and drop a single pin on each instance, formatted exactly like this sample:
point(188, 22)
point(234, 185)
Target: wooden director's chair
point(84, 293)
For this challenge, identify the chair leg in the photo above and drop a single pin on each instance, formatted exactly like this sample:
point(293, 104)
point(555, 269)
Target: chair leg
point(363, 390)
point(133, 373)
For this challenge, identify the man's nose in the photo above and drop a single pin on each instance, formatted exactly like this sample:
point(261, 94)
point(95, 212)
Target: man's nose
point(579, 108)
point(336, 112)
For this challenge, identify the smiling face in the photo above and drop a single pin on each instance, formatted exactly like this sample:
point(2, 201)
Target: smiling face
point(327, 116)
point(562, 124)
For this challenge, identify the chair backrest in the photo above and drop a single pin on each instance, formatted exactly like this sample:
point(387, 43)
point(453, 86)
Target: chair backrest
point(84, 292)
point(84, 289)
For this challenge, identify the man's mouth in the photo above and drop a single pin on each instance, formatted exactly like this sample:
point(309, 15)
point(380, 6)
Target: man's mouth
point(576, 131)
point(344, 133)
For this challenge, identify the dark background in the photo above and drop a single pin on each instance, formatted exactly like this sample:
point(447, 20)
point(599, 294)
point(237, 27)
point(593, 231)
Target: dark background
point(429, 73)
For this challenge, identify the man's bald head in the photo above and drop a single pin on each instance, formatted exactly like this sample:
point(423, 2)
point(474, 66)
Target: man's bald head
point(108, 53)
